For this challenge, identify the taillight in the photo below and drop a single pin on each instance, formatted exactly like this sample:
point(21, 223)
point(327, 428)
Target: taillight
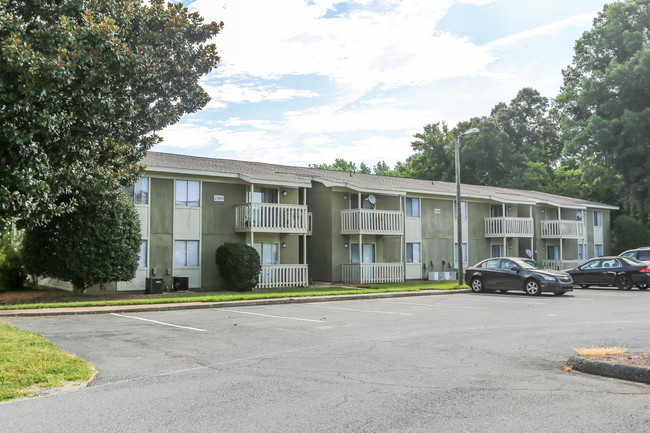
point(645, 270)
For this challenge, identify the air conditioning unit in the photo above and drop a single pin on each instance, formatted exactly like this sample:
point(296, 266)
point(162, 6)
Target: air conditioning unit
point(154, 285)
point(181, 283)
point(436, 276)
point(450, 276)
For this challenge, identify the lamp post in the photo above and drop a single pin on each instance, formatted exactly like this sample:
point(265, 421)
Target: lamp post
point(458, 214)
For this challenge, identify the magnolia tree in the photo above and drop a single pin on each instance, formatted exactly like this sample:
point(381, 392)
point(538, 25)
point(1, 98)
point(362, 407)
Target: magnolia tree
point(84, 86)
point(98, 242)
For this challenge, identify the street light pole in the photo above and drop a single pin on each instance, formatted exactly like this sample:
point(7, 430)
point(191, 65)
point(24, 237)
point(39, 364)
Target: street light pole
point(458, 214)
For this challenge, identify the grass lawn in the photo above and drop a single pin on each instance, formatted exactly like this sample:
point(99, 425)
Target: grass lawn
point(220, 297)
point(28, 362)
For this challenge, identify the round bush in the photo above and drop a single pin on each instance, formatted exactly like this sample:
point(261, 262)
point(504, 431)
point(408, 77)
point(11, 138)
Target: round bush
point(239, 266)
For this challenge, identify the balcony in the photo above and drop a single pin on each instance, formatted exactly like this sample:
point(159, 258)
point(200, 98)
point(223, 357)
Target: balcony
point(562, 229)
point(372, 273)
point(272, 218)
point(372, 222)
point(275, 276)
point(507, 227)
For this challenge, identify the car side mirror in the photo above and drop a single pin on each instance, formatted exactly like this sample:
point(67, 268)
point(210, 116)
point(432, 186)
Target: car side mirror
point(515, 268)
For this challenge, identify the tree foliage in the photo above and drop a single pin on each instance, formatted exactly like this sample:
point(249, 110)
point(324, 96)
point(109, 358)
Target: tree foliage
point(99, 241)
point(84, 86)
point(341, 164)
point(605, 99)
point(628, 233)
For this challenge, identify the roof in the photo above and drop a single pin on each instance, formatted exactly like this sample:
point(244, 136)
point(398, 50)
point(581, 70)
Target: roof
point(263, 173)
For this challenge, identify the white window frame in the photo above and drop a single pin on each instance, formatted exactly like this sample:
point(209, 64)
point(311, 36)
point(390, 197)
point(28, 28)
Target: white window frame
point(186, 263)
point(598, 250)
point(184, 186)
point(413, 252)
point(411, 210)
point(463, 210)
point(261, 248)
point(143, 258)
point(140, 191)
point(598, 219)
point(365, 244)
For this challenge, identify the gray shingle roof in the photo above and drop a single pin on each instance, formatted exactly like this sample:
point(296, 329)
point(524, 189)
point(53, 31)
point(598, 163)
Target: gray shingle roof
point(258, 172)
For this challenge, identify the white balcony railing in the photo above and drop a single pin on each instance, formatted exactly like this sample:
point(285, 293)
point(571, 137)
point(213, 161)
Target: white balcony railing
point(562, 265)
point(500, 227)
point(372, 273)
point(562, 229)
point(274, 276)
point(271, 217)
point(372, 221)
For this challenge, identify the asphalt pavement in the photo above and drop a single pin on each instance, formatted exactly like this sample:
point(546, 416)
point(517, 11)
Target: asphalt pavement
point(454, 362)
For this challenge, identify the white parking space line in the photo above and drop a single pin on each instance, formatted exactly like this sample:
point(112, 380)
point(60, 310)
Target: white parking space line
point(160, 323)
point(269, 315)
point(421, 304)
point(483, 298)
point(611, 295)
point(357, 310)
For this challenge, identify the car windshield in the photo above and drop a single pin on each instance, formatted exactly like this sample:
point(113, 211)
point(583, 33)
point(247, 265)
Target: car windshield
point(631, 261)
point(531, 264)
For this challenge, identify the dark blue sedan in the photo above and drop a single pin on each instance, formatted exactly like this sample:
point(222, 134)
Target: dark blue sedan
point(622, 272)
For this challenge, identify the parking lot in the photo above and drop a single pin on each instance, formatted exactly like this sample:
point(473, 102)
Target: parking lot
point(462, 362)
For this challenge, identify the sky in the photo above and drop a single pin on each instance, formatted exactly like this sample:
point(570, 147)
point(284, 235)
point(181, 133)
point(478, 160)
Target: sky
point(304, 82)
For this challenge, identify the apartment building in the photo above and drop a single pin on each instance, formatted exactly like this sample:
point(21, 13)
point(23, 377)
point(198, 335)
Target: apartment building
point(318, 225)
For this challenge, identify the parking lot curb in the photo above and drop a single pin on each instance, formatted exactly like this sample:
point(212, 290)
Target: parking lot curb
point(610, 369)
point(222, 304)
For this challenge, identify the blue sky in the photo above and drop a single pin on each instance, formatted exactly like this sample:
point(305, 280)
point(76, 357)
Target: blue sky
point(307, 81)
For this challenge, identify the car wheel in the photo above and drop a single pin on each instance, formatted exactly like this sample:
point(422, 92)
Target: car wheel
point(476, 284)
point(642, 286)
point(623, 282)
point(559, 293)
point(532, 288)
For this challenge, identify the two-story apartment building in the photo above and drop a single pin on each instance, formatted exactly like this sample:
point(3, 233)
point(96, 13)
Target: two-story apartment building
point(318, 225)
point(309, 224)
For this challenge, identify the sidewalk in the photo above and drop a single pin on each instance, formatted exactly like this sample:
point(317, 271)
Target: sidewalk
point(224, 304)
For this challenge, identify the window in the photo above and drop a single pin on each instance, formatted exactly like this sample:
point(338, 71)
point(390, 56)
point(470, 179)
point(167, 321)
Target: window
point(186, 253)
point(262, 195)
point(463, 210)
point(508, 264)
point(464, 247)
point(553, 252)
point(492, 264)
point(188, 193)
point(598, 219)
point(142, 261)
point(497, 250)
point(592, 264)
point(579, 215)
point(412, 252)
point(598, 250)
point(268, 253)
point(496, 210)
point(412, 207)
point(581, 252)
point(551, 214)
point(140, 191)
point(368, 253)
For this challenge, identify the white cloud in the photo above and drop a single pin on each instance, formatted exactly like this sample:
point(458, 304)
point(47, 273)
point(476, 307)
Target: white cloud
point(232, 92)
point(391, 44)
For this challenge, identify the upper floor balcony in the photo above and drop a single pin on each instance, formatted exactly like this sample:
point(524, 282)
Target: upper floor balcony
point(272, 218)
point(562, 229)
point(508, 227)
point(372, 222)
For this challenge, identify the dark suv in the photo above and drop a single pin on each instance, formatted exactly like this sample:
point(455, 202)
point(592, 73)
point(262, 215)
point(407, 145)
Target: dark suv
point(642, 254)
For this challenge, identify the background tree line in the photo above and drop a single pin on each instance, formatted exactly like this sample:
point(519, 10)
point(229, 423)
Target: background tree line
point(590, 142)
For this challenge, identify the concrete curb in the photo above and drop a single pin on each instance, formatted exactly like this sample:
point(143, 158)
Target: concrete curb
point(224, 304)
point(610, 369)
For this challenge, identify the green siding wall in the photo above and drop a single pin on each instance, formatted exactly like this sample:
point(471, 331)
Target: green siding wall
point(161, 232)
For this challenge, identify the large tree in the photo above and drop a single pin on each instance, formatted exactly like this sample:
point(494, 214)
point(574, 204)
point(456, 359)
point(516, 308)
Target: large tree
point(97, 242)
point(605, 99)
point(84, 86)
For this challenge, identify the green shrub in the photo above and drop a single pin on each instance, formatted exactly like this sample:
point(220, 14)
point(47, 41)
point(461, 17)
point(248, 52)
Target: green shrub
point(628, 233)
point(12, 273)
point(239, 266)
